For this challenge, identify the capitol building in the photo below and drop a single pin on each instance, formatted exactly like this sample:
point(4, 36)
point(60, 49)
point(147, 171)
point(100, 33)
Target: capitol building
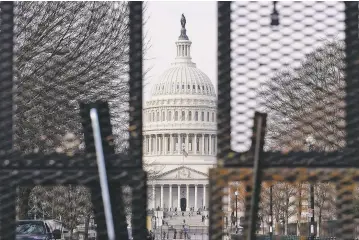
point(180, 133)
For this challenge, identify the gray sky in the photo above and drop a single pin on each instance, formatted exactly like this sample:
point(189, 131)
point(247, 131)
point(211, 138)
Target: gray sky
point(163, 28)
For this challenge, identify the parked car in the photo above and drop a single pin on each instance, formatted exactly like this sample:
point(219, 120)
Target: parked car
point(36, 229)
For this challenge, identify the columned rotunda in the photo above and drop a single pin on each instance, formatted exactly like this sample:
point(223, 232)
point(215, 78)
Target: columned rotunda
point(180, 133)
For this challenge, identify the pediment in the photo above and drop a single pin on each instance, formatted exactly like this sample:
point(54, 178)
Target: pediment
point(183, 172)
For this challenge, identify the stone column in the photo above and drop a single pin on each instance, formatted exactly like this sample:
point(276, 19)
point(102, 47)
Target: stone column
point(210, 144)
point(150, 138)
point(160, 140)
point(154, 196)
point(179, 143)
point(195, 143)
point(187, 143)
point(202, 144)
point(178, 198)
point(170, 138)
point(161, 196)
point(170, 197)
point(204, 195)
point(214, 145)
point(195, 197)
point(187, 196)
point(156, 148)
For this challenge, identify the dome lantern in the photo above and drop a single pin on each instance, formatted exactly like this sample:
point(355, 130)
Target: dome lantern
point(183, 77)
point(183, 46)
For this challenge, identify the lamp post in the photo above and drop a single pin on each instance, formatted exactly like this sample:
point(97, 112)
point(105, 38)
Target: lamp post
point(236, 193)
point(274, 15)
point(310, 141)
point(271, 212)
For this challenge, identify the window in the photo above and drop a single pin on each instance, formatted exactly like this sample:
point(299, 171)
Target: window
point(194, 87)
point(176, 116)
point(196, 116)
point(190, 144)
point(177, 87)
point(212, 117)
point(153, 117)
point(202, 116)
point(183, 116)
point(199, 88)
point(202, 87)
point(189, 87)
point(158, 116)
point(169, 116)
point(190, 116)
point(182, 86)
point(207, 116)
point(163, 116)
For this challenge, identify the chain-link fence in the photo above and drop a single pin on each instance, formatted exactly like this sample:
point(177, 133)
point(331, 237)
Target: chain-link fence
point(71, 72)
point(291, 171)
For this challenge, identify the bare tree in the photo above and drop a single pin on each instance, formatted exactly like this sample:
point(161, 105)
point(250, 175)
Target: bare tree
point(308, 100)
point(66, 53)
point(324, 201)
point(284, 195)
point(71, 204)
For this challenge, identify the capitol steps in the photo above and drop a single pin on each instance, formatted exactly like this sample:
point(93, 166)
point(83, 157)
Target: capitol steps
point(194, 220)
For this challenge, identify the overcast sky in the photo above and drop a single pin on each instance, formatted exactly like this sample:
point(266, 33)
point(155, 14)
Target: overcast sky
point(163, 29)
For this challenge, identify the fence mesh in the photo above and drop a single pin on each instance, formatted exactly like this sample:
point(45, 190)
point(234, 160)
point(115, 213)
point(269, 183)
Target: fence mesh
point(283, 174)
point(59, 60)
point(292, 171)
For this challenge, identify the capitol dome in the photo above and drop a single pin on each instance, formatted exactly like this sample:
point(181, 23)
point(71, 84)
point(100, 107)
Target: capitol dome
point(180, 133)
point(183, 79)
point(180, 117)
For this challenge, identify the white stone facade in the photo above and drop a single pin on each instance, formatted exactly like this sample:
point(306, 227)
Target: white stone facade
point(179, 130)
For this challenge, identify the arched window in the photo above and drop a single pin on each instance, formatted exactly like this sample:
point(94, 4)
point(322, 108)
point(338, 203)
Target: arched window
point(202, 116)
point(183, 118)
point(207, 116)
point(176, 116)
point(169, 118)
point(163, 115)
point(190, 116)
point(196, 116)
point(212, 117)
point(158, 116)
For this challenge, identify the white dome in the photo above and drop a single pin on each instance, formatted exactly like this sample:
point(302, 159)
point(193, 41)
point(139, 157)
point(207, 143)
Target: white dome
point(183, 79)
point(180, 116)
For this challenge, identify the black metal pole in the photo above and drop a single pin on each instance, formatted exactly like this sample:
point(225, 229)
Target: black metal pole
point(311, 185)
point(312, 232)
point(236, 210)
point(271, 212)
